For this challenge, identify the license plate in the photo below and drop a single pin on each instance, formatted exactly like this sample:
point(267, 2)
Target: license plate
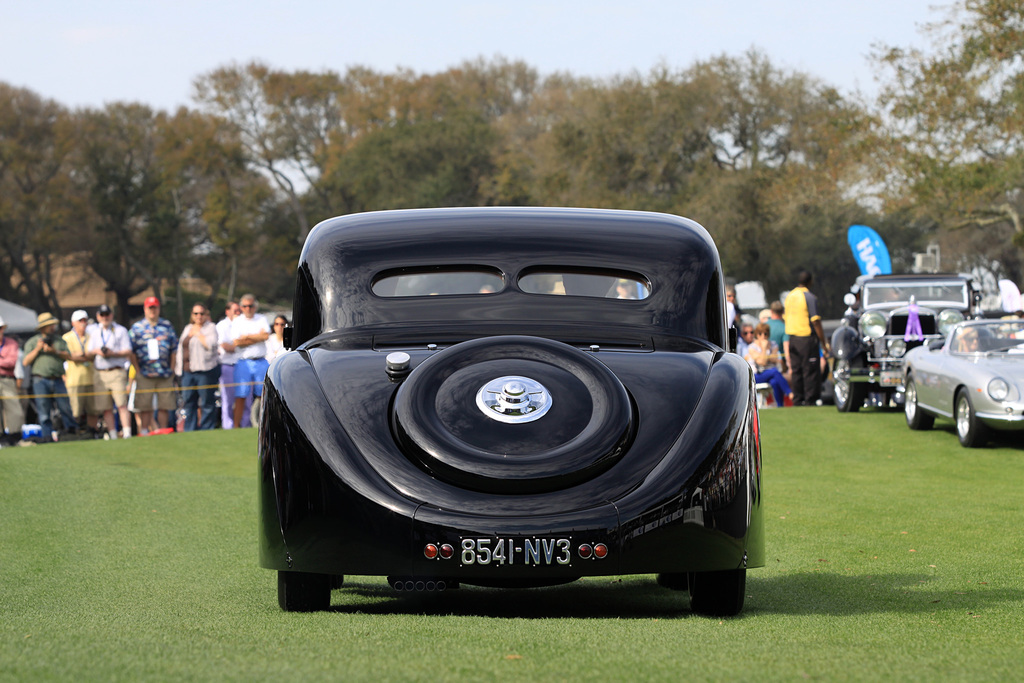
point(515, 551)
point(891, 378)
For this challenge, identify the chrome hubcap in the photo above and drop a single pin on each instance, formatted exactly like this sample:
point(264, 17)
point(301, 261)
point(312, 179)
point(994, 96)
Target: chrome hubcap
point(513, 399)
point(963, 417)
point(910, 405)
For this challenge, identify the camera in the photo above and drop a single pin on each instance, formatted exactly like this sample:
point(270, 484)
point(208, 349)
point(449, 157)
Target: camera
point(50, 339)
point(105, 350)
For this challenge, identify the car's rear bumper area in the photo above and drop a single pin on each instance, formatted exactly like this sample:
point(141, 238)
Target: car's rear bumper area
point(434, 544)
point(326, 508)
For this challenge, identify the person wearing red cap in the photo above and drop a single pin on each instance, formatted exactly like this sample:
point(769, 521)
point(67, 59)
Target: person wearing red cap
point(154, 345)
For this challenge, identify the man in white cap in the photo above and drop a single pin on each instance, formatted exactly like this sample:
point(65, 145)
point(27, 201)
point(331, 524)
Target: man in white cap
point(45, 354)
point(78, 374)
point(111, 350)
point(11, 414)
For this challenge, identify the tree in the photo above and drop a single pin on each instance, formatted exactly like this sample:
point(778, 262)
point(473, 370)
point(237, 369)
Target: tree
point(212, 203)
point(37, 202)
point(284, 123)
point(954, 127)
point(116, 158)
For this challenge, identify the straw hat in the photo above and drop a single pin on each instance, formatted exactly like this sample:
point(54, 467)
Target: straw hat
point(45, 320)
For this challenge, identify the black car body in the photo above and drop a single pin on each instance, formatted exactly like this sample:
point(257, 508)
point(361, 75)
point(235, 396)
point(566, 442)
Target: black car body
point(870, 344)
point(510, 397)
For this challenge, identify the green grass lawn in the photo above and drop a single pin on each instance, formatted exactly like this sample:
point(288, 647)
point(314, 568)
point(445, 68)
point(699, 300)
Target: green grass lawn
point(891, 554)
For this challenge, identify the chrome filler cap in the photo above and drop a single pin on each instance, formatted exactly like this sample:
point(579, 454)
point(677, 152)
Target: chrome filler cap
point(513, 399)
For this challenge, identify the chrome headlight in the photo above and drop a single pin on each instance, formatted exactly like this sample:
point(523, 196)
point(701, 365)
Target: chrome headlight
point(872, 324)
point(998, 389)
point(948, 318)
point(897, 347)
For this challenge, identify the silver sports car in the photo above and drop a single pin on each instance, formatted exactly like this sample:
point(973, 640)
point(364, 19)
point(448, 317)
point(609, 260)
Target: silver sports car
point(975, 377)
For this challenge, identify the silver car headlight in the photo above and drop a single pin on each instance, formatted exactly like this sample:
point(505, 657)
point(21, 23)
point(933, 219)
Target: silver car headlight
point(897, 347)
point(948, 318)
point(872, 324)
point(998, 389)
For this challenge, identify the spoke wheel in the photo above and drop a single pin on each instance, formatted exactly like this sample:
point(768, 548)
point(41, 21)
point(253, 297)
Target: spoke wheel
point(969, 429)
point(849, 395)
point(916, 418)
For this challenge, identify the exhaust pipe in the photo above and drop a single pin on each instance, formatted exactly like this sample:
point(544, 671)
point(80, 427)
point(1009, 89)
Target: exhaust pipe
point(409, 584)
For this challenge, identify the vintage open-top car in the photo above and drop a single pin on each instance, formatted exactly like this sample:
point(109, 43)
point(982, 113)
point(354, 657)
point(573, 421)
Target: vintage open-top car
point(976, 377)
point(510, 397)
point(870, 344)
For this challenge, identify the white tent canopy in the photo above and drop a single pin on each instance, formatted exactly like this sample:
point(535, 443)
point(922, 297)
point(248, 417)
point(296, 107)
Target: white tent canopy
point(19, 320)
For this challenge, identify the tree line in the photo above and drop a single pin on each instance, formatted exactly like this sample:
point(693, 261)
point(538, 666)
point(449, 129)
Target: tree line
point(774, 162)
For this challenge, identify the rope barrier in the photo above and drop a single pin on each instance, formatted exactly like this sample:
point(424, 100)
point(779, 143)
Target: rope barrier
point(105, 393)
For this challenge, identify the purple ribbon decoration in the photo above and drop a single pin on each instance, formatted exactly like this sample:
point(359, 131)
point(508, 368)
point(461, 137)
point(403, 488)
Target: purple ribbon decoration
point(913, 331)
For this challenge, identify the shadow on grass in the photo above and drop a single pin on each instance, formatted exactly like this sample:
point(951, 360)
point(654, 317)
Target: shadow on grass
point(636, 598)
point(996, 439)
point(591, 599)
point(842, 595)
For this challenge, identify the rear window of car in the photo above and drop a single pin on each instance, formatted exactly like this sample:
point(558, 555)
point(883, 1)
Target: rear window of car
point(601, 284)
point(438, 282)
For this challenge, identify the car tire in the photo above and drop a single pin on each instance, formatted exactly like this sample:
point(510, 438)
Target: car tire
point(849, 395)
point(917, 419)
point(303, 592)
point(718, 593)
point(971, 431)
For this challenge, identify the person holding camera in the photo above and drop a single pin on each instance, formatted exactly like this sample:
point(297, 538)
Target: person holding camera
point(45, 354)
point(111, 350)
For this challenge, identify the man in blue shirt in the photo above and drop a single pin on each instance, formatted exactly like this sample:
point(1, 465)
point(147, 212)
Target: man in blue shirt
point(154, 345)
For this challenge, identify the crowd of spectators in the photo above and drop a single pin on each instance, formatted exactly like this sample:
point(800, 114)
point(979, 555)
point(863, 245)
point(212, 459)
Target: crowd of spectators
point(785, 345)
point(102, 380)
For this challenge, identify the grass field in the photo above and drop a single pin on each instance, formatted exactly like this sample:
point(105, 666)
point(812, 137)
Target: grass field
point(891, 554)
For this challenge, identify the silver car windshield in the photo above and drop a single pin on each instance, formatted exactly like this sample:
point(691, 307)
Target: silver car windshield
point(953, 294)
point(996, 337)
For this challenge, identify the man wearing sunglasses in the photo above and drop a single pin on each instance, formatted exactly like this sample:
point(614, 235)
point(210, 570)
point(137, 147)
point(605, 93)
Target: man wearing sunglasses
point(249, 333)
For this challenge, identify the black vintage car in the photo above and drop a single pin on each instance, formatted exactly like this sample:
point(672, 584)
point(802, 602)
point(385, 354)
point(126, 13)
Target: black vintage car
point(870, 344)
point(510, 397)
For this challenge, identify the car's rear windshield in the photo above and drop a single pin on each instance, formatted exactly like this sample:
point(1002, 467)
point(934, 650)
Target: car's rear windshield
point(948, 293)
point(585, 283)
point(438, 282)
point(481, 280)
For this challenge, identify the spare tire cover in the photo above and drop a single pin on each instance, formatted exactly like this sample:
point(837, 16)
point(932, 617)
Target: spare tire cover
point(440, 421)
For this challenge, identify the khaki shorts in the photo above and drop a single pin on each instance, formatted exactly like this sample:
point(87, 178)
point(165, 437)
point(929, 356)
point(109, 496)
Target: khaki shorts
point(82, 400)
point(112, 388)
point(146, 387)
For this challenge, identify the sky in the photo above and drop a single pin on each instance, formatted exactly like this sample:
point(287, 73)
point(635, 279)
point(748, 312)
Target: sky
point(87, 54)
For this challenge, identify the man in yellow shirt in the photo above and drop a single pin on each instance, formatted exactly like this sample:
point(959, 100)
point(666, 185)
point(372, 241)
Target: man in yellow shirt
point(803, 353)
point(78, 373)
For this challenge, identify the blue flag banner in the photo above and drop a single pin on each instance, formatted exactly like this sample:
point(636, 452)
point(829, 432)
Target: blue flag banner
point(869, 250)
